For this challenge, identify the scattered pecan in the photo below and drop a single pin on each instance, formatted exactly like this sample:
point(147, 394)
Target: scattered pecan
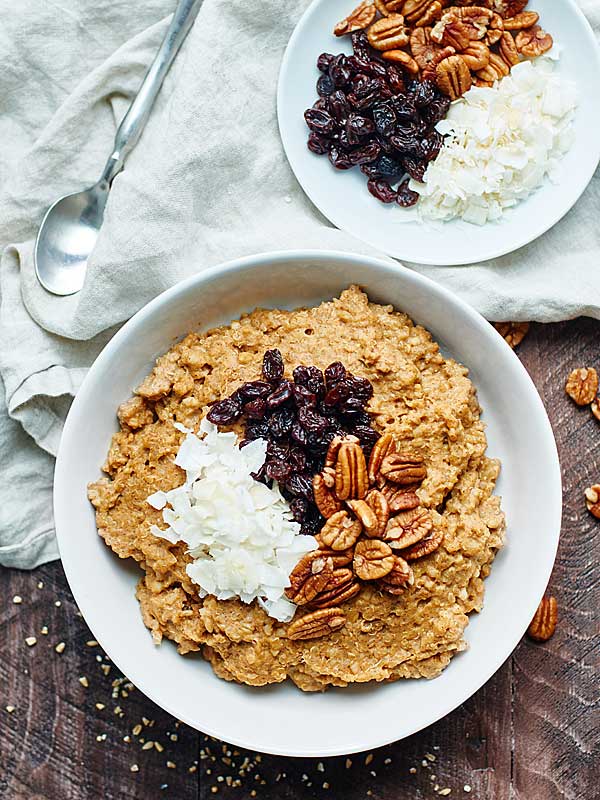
point(399, 578)
point(495, 70)
point(362, 16)
point(476, 55)
point(521, 21)
point(325, 499)
point(453, 77)
point(387, 7)
point(543, 623)
point(512, 332)
point(366, 516)
point(403, 469)
point(309, 577)
point(399, 499)
point(403, 58)
point(379, 505)
point(508, 8)
point(582, 385)
point(425, 546)
point(317, 624)
point(533, 42)
point(596, 407)
point(408, 528)
point(388, 33)
point(341, 531)
point(421, 12)
point(372, 559)
point(592, 499)
point(430, 71)
point(351, 479)
point(507, 49)
point(383, 447)
point(423, 48)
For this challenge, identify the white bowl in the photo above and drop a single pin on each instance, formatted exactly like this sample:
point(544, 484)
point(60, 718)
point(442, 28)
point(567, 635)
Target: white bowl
point(343, 197)
point(282, 719)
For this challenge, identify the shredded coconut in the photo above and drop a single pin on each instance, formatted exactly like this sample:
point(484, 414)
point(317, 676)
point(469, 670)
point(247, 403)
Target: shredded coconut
point(500, 144)
point(240, 534)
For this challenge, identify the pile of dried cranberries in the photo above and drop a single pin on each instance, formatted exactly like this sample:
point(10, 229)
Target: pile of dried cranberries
point(370, 114)
point(299, 418)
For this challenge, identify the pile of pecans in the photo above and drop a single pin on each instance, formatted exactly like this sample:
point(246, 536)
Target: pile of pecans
point(374, 527)
point(474, 42)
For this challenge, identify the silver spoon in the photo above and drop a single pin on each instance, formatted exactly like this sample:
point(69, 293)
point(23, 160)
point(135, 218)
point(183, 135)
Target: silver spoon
point(70, 228)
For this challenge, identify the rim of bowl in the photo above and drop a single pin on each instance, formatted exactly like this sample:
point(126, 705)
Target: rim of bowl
point(61, 477)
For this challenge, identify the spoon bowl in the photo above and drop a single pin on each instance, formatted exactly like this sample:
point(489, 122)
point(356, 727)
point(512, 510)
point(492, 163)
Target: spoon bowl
point(66, 238)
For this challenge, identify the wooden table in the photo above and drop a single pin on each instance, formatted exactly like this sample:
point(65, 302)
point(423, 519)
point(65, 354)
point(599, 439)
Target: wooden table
point(531, 733)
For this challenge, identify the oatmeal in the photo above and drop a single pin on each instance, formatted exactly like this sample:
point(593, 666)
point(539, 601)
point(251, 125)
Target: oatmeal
point(405, 621)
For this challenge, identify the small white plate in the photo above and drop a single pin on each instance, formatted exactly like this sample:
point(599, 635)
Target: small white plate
point(282, 719)
point(343, 197)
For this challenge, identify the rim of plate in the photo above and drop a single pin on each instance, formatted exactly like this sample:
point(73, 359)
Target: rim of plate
point(486, 255)
point(68, 545)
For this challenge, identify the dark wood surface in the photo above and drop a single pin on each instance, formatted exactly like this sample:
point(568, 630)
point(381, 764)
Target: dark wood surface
point(532, 733)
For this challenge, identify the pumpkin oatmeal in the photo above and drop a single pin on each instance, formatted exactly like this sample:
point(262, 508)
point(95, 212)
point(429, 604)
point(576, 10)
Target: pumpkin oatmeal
point(406, 522)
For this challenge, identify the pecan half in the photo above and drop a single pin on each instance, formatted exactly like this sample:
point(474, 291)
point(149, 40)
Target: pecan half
point(387, 7)
point(512, 332)
point(399, 499)
point(388, 33)
point(495, 70)
point(508, 8)
point(425, 546)
point(482, 84)
point(373, 559)
point(333, 449)
point(453, 77)
point(325, 499)
point(543, 624)
point(340, 558)
point(421, 12)
point(408, 528)
point(474, 19)
point(340, 531)
point(507, 50)
point(422, 46)
point(317, 624)
point(365, 515)
point(492, 36)
point(362, 16)
point(351, 479)
point(430, 71)
point(384, 446)
point(476, 55)
point(521, 21)
point(403, 469)
point(533, 42)
point(403, 58)
point(451, 33)
point(340, 588)
point(592, 500)
point(379, 505)
point(582, 385)
point(309, 577)
point(399, 578)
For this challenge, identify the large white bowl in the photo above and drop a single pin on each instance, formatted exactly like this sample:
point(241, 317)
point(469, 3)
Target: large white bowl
point(282, 719)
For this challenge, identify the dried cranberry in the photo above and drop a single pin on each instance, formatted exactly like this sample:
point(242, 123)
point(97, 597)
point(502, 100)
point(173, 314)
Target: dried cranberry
point(255, 409)
point(272, 367)
point(324, 61)
point(311, 378)
point(280, 396)
point(225, 412)
point(319, 121)
point(381, 190)
point(406, 197)
point(334, 373)
point(366, 154)
point(325, 86)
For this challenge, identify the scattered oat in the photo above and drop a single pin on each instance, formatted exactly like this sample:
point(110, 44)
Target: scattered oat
point(368, 759)
point(57, 603)
point(173, 737)
point(215, 789)
point(10, 709)
point(30, 641)
point(171, 765)
point(424, 763)
point(146, 721)
point(44, 630)
point(387, 761)
point(17, 599)
point(193, 768)
point(466, 788)
point(127, 739)
point(92, 643)
point(348, 763)
point(100, 706)
point(325, 785)
point(430, 757)
point(105, 668)
point(101, 737)
point(412, 770)
point(445, 792)
point(147, 745)
point(40, 584)
point(158, 746)
point(60, 647)
point(137, 729)
point(134, 768)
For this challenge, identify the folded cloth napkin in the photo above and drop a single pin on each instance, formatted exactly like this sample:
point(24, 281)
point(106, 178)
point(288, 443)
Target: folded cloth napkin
point(208, 181)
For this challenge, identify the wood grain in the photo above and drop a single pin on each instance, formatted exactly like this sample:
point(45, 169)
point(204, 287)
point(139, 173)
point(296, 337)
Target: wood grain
point(531, 733)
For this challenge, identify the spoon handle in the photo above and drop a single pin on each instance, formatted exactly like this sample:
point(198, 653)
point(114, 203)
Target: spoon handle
point(135, 119)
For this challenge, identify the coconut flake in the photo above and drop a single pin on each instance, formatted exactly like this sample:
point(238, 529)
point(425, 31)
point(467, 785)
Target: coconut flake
point(240, 534)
